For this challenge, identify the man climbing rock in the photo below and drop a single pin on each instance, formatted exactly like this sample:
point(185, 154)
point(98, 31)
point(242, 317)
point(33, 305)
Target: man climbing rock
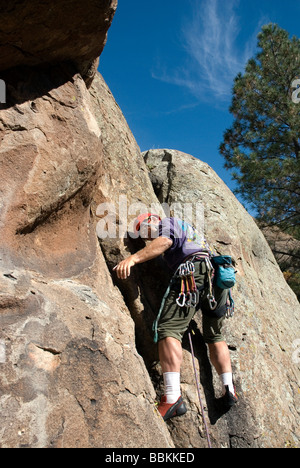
point(191, 288)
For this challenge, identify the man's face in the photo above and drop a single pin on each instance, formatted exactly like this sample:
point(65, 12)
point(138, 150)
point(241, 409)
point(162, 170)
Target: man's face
point(149, 228)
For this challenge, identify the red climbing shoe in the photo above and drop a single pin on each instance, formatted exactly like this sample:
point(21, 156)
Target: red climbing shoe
point(169, 411)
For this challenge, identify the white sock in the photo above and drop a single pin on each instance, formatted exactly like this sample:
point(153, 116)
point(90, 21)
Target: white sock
point(172, 386)
point(227, 379)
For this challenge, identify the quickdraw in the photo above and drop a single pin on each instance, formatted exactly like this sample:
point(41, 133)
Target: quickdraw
point(230, 305)
point(210, 273)
point(189, 294)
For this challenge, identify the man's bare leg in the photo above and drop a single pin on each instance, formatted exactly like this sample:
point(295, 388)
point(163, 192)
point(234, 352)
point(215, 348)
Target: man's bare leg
point(170, 354)
point(220, 358)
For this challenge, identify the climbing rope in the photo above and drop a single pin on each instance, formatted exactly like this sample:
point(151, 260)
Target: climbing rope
point(199, 395)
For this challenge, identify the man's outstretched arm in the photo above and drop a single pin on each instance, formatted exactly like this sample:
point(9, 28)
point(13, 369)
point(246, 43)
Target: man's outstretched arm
point(155, 249)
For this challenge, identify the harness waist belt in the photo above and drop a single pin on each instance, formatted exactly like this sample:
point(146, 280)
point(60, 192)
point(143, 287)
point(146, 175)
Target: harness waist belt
point(197, 256)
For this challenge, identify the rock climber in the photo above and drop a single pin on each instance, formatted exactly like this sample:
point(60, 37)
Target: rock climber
point(180, 244)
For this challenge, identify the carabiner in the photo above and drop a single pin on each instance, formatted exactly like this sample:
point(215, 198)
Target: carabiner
point(188, 301)
point(183, 270)
point(181, 297)
point(212, 302)
point(195, 298)
point(190, 268)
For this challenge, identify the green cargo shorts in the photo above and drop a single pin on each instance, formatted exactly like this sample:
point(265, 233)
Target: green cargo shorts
point(174, 320)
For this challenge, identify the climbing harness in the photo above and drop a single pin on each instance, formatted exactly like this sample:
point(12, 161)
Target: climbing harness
point(189, 294)
point(199, 395)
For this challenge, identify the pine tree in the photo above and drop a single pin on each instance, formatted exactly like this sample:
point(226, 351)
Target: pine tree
point(263, 143)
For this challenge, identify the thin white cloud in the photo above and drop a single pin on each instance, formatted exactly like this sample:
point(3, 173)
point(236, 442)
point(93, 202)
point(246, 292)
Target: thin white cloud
point(211, 43)
point(214, 50)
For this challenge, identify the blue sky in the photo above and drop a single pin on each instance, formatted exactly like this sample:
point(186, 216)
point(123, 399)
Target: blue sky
point(170, 65)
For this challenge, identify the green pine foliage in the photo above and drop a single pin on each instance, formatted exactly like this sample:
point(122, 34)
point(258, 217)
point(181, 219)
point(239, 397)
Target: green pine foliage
point(262, 147)
point(263, 144)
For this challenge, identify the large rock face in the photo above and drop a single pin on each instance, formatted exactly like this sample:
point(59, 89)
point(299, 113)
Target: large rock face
point(47, 165)
point(38, 32)
point(70, 373)
point(78, 364)
point(71, 370)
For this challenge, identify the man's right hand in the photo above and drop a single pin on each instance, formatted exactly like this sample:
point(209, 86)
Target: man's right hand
point(155, 249)
point(123, 269)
